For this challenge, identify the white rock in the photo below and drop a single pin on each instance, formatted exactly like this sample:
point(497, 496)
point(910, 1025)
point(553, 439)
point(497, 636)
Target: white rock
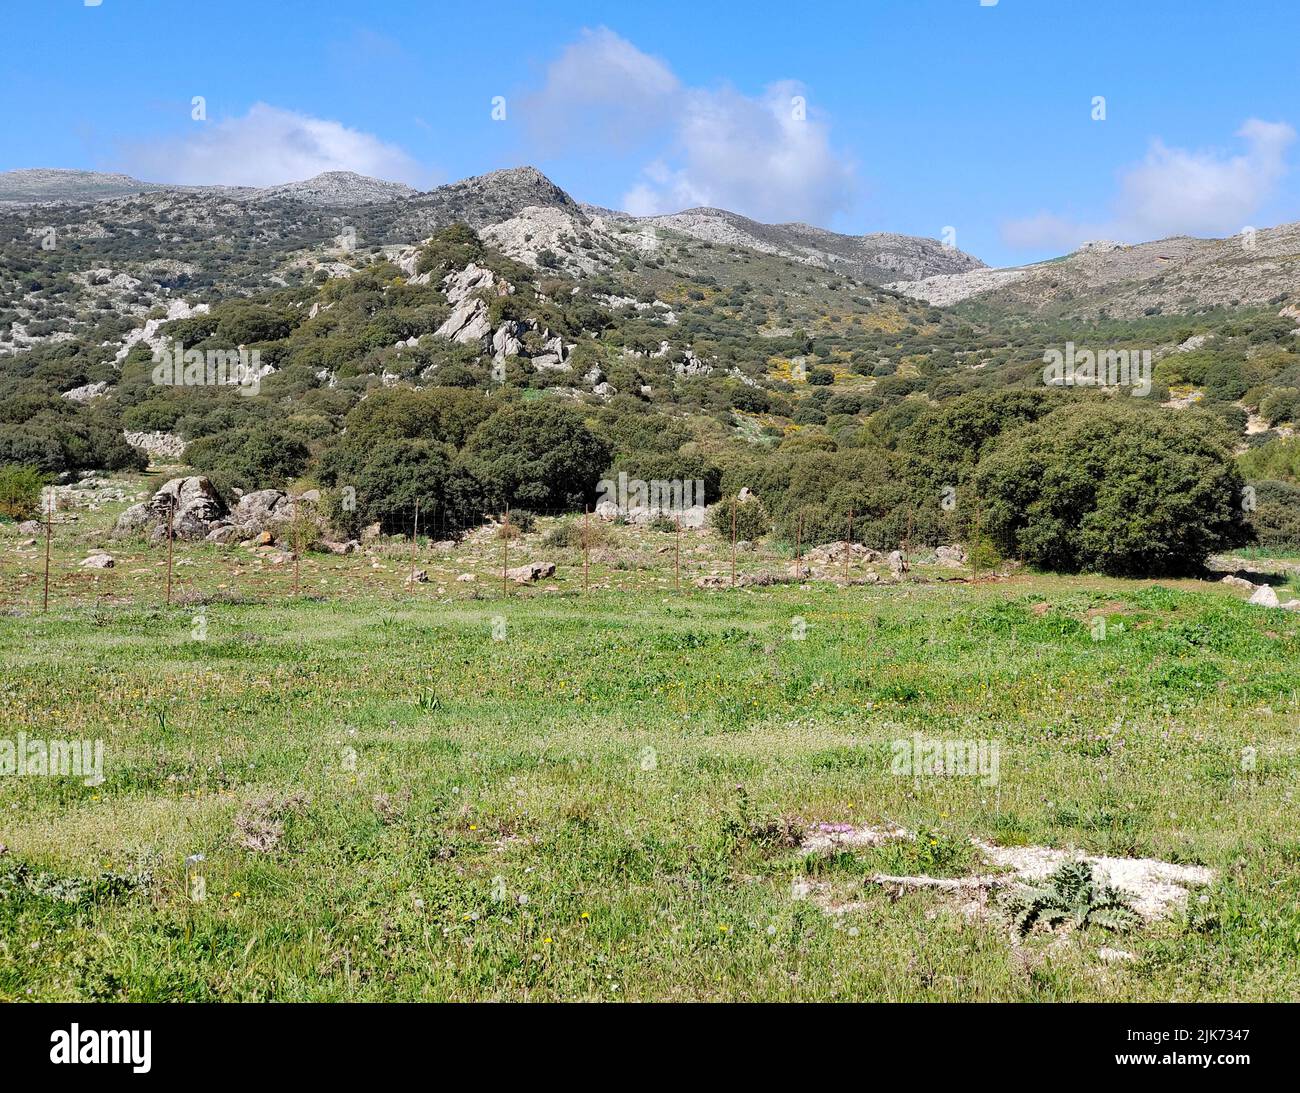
point(1264, 597)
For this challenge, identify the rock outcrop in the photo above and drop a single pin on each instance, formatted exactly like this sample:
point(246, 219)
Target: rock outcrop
point(193, 504)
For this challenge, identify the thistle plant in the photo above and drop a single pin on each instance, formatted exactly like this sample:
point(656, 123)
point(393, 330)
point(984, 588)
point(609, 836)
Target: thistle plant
point(1071, 895)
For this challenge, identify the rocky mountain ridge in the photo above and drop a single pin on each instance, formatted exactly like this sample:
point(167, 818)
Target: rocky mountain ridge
point(1257, 266)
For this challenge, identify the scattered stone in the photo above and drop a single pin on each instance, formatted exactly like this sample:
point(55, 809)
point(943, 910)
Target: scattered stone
point(418, 576)
point(98, 560)
point(533, 571)
point(1238, 582)
point(466, 578)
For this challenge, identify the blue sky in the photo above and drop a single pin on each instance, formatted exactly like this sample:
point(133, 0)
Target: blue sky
point(916, 115)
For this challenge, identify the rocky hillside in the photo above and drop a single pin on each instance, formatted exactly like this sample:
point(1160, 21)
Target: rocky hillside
point(1168, 276)
point(883, 256)
point(337, 189)
point(128, 253)
point(39, 184)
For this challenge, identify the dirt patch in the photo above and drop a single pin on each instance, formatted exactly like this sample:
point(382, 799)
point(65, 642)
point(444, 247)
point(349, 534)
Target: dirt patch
point(829, 838)
point(260, 824)
point(1155, 887)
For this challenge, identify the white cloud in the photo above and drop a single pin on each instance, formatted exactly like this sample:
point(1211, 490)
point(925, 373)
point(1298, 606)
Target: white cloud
point(767, 156)
point(601, 88)
point(267, 146)
point(1174, 191)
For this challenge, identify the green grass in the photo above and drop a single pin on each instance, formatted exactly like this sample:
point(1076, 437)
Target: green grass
point(622, 760)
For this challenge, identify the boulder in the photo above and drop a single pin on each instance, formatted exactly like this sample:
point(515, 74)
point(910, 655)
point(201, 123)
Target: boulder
point(830, 553)
point(256, 512)
point(136, 518)
point(533, 571)
point(418, 576)
point(468, 324)
point(506, 341)
point(1264, 596)
point(951, 557)
point(460, 284)
point(1238, 582)
point(98, 560)
point(897, 563)
point(193, 503)
point(31, 527)
point(226, 533)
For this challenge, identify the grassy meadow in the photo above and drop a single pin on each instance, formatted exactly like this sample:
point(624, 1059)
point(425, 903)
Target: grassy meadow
point(443, 793)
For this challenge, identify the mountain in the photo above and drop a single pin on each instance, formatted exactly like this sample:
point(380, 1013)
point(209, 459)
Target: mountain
point(39, 184)
point(1122, 280)
point(880, 257)
point(332, 188)
point(337, 189)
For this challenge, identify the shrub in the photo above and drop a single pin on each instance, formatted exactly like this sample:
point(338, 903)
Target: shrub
point(252, 458)
point(572, 533)
point(1276, 518)
point(403, 473)
point(752, 519)
point(1113, 488)
point(521, 523)
point(20, 491)
point(540, 456)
